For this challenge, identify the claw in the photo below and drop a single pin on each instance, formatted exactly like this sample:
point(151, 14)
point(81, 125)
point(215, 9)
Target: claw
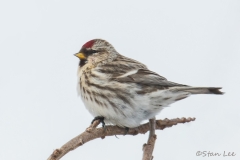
point(101, 120)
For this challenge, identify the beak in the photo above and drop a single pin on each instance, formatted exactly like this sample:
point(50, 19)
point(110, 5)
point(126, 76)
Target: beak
point(80, 55)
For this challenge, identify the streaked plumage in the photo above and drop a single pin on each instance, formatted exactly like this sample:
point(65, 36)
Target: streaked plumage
point(123, 90)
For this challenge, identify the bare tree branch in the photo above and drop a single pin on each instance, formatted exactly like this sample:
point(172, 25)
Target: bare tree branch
point(148, 148)
point(92, 133)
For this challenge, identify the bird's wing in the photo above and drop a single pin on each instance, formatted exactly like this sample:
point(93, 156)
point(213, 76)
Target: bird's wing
point(124, 69)
point(145, 77)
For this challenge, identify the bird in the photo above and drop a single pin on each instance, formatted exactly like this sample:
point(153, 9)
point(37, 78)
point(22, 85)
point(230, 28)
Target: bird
point(121, 91)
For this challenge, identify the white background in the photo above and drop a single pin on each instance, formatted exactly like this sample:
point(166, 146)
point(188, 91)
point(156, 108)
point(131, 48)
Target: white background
point(190, 42)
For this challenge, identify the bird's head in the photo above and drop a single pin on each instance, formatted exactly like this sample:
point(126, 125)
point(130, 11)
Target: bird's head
point(94, 51)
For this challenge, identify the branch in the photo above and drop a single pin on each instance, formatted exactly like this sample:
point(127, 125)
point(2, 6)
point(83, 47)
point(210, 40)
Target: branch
point(92, 133)
point(148, 148)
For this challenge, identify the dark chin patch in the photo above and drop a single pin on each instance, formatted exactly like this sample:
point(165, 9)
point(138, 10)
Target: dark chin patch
point(89, 44)
point(82, 63)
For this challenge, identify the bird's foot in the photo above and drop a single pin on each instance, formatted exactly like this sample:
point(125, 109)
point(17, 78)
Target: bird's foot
point(101, 120)
point(126, 131)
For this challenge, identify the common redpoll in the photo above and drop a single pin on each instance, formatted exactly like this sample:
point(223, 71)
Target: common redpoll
point(122, 91)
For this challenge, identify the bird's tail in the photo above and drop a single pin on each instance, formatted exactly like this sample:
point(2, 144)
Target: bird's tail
point(198, 90)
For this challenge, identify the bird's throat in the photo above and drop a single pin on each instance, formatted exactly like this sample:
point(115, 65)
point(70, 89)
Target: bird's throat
point(82, 63)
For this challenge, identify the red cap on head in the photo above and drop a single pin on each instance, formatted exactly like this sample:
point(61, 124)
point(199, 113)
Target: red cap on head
point(89, 44)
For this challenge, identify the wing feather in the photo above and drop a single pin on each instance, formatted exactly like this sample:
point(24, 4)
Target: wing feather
point(127, 70)
point(146, 77)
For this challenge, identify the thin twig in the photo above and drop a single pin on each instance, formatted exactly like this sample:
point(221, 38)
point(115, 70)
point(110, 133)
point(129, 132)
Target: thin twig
point(149, 147)
point(152, 124)
point(92, 133)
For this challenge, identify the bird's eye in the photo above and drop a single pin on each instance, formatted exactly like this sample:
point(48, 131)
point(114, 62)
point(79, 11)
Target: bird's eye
point(90, 51)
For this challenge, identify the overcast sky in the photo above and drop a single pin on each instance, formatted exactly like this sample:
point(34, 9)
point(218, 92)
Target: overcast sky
point(190, 42)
